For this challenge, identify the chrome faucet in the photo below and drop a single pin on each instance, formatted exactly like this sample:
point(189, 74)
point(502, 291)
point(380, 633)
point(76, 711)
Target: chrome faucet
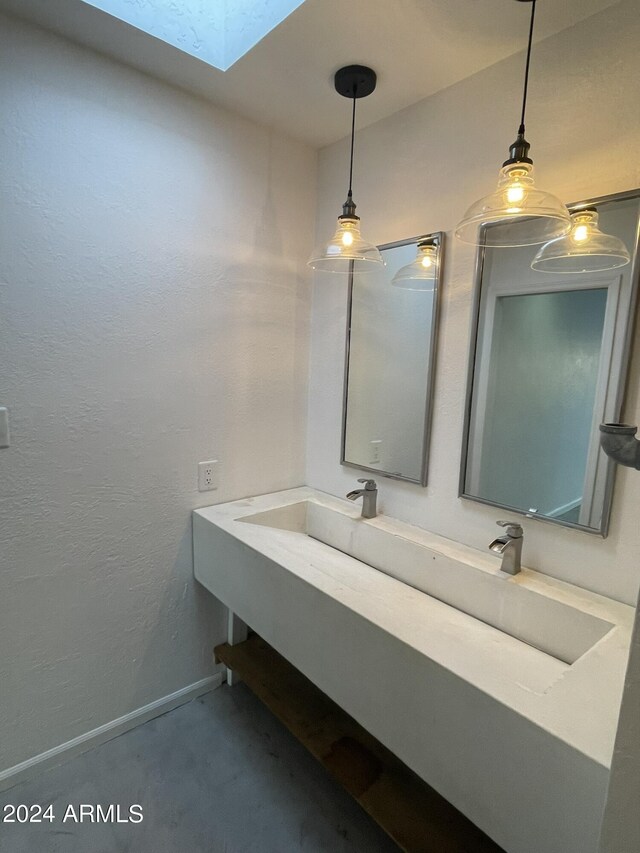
point(509, 546)
point(369, 497)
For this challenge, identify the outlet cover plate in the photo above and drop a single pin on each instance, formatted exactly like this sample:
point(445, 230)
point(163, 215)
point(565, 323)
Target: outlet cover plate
point(208, 476)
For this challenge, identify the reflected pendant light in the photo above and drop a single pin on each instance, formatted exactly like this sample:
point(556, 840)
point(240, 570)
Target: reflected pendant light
point(422, 272)
point(584, 249)
point(347, 251)
point(517, 213)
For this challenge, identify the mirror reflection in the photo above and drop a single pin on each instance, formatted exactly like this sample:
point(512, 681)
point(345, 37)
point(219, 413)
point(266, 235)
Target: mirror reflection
point(549, 361)
point(389, 367)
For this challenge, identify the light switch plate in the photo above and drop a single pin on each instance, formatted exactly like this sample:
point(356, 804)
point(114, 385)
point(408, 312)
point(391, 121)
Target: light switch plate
point(4, 427)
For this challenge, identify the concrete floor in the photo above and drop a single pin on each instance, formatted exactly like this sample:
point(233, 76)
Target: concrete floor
point(218, 775)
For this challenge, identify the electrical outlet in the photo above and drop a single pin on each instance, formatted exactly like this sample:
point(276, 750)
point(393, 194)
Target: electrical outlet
point(208, 476)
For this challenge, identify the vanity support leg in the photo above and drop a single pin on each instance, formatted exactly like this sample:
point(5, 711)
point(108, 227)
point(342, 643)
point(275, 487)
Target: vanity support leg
point(237, 632)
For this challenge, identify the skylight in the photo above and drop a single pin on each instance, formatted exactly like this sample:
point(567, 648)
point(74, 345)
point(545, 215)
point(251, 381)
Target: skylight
point(218, 32)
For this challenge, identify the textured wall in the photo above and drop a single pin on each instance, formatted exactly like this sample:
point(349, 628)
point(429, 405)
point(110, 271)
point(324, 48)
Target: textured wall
point(153, 314)
point(416, 172)
point(621, 825)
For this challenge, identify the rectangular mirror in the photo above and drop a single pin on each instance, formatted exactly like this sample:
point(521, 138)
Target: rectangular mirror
point(548, 364)
point(391, 331)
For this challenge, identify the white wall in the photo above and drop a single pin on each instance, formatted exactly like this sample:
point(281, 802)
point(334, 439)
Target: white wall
point(621, 825)
point(416, 172)
point(153, 314)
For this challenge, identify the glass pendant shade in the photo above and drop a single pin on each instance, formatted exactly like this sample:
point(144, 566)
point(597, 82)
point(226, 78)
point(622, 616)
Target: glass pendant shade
point(585, 249)
point(346, 251)
point(516, 214)
point(421, 273)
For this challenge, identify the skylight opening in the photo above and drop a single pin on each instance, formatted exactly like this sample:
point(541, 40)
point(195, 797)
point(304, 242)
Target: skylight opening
point(218, 32)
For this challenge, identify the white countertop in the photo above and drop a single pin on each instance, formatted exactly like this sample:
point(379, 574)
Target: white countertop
point(578, 703)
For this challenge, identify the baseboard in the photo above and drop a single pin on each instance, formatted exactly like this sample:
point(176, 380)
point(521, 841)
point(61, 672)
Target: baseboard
point(59, 754)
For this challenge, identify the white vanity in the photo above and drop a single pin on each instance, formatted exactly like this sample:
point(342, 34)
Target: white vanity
point(501, 692)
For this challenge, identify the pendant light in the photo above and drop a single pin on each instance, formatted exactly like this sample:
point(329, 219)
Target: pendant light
point(347, 251)
point(422, 272)
point(584, 249)
point(525, 214)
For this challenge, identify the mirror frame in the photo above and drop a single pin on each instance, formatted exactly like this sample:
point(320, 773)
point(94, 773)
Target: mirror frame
point(430, 370)
point(603, 530)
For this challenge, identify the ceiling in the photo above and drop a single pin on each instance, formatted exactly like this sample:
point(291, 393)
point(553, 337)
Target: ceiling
point(417, 47)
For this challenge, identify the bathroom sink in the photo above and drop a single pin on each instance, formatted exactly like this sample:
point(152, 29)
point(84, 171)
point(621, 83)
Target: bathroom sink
point(552, 627)
point(502, 692)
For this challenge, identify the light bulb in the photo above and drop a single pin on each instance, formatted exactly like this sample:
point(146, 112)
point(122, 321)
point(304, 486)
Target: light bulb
point(515, 189)
point(515, 194)
point(427, 262)
point(581, 233)
point(347, 238)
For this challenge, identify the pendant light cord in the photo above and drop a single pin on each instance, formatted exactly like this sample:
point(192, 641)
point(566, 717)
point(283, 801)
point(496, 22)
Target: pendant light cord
point(353, 135)
point(526, 73)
